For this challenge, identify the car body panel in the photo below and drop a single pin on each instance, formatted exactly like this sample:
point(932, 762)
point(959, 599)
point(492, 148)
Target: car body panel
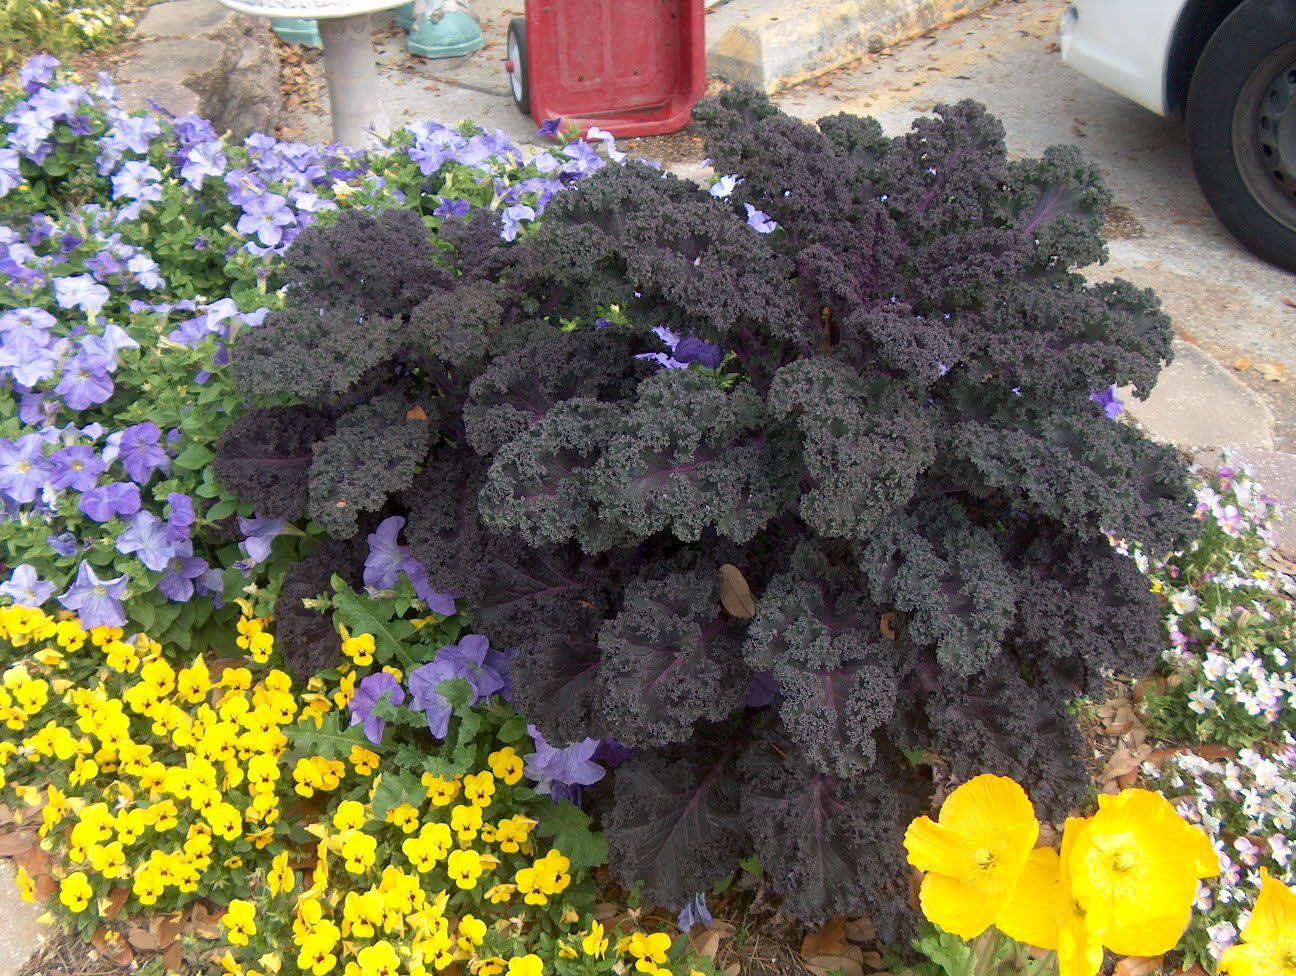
point(1123, 45)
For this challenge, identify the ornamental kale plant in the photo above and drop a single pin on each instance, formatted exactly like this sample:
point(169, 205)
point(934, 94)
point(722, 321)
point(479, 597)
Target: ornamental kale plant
point(797, 491)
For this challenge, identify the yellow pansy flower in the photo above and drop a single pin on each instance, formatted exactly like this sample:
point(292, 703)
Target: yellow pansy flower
point(974, 854)
point(528, 965)
point(75, 891)
point(281, 877)
point(239, 921)
point(595, 943)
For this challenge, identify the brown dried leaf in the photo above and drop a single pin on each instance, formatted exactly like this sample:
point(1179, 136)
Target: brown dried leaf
point(1216, 751)
point(416, 413)
point(861, 929)
point(116, 899)
point(823, 965)
point(1137, 966)
point(1273, 372)
point(1280, 563)
point(827, 941)
point(46, 887)
point(706, 942)
point(173, 958)
point(1288, 302)
point(735, 595)
point(1148, 686)
point(1123, 762)
point(6, 815)
point(1122, 719)
point(142, 939)
point(887, 625)
point(112, 945)
point(17, 842)
point(733, 969)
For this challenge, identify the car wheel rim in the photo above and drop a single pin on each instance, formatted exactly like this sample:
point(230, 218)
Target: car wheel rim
point(515, 76)
point(1264, 134)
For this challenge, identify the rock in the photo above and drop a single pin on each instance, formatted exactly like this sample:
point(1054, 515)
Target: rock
point(20, 935)
point(140, 96)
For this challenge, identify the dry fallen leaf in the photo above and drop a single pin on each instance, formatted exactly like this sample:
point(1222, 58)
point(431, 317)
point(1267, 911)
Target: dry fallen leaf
point(706, 942)
point(1243, 364)
point(887, 625)
point(1137, 966)
point(1273, 372)
point(735, 595)
point(827, 941)
point(112, 945)
point(823, 965)
point(861, 929)
point(1288, 302)
point(1123, 764)
point(416, 413)
point(17, 842)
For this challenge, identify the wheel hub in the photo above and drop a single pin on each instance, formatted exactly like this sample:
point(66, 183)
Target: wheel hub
point(1276, 130)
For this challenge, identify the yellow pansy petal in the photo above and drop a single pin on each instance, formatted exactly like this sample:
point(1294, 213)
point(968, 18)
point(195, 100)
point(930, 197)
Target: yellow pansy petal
point(957, 908)
point(1149, 936)
point(1030, 913)
point(1274, 916)
point(933, 846)
point(990, 804)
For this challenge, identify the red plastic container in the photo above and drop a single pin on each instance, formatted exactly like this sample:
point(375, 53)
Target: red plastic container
point(632, 67)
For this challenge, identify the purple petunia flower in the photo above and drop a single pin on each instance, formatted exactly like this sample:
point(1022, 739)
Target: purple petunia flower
point(26, 588)
point(695, 913)
point(85, 380)
point(437, 601)
point(64, 544)
point(80, 291)
point(266, 216)
point(451, 208)
point(724, 185)
point(570, 766)
point(759, 220)
point(259, 534)
point(146, 537)
point(37, 72)
point(1113, 406)
point(181, 518)
point(97, 602)
point(28, 359)
point(513, 217)
point(551, 127)
point(138, 450)
point(386, 557)
point(470, 659)
point(368, 693)
point(693, 350)
point(181, 570)
point(76, 467)
point(107, 501)
point(200, 161)
point(10, 170)
point(763, 690)
point(137, 180)
point(23, 468)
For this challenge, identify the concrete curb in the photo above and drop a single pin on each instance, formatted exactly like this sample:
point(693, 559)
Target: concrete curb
point(774, 44)
point(205, 59)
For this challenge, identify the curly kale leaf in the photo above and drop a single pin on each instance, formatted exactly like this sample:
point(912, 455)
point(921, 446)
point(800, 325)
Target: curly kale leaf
point(556, 675)
point(372, 454)
point(675, 822)
point(670, 658)
point(1058, 203)
point(946, 577)
point(691, 457)
point(832, 846)
point(265, 458)
point(305, 635)
point(864, 444)
point(519, 388)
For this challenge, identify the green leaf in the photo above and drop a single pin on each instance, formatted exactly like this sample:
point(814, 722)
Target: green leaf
point(194, 458)
point(396, 788)
point(457, 691)
point(752, 865)
point(361, 616)
point(329, 741)
point(570, 829)
point(513, 730)
point(222, 509)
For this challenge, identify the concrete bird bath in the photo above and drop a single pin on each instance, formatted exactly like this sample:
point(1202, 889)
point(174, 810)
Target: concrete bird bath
point(354, 93)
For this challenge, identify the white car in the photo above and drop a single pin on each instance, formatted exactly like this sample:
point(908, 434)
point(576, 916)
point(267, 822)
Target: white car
point(1229, 68)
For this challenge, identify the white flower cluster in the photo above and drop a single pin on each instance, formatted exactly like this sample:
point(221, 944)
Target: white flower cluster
point(1247, 806)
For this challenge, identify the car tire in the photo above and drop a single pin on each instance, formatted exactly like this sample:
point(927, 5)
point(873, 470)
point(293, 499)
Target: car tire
point(1242, 127)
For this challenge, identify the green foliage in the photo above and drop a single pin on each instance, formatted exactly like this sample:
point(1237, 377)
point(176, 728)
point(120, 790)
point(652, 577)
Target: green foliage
point(61, 27)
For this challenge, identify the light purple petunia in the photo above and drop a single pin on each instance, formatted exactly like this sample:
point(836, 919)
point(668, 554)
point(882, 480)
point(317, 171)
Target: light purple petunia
point(724, 185)
point(97, 602)
point(26, 588)
point(85, 380)
point(177, 582)
point(28, 359)
point(695, 913)
point(181, 518)
point(259, 534)
point(200, 161)
point(76, 467)
point(146, 537)
point(386, 557)
point(137, 180)
point(80, 291)
point(512, 218)
point(569, 766)
point(1113, 406)
point(760, 221)
point(10, 170)
point(266, 216)
point(108, 501)
point(23, 468)
point(368, 693)
point(138, 450)
point(472, 660)
point(37, 72)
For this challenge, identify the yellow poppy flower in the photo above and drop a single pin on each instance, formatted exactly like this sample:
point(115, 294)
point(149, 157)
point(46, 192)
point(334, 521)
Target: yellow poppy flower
point(974, 854)
point(1268, 945)
point(1134, 868)
point(1043, 912)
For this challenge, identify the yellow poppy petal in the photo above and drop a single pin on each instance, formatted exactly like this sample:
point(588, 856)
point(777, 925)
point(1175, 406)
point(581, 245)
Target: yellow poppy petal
point(1274, 917)
point(935, 847)
point(956, 907)
point(1149, 936)
point(1030, 913)
point(1245, 960)
point(990, 804)
point(1079, 953)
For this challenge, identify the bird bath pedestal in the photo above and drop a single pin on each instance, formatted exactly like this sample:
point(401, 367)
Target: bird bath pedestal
point(354, 93)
